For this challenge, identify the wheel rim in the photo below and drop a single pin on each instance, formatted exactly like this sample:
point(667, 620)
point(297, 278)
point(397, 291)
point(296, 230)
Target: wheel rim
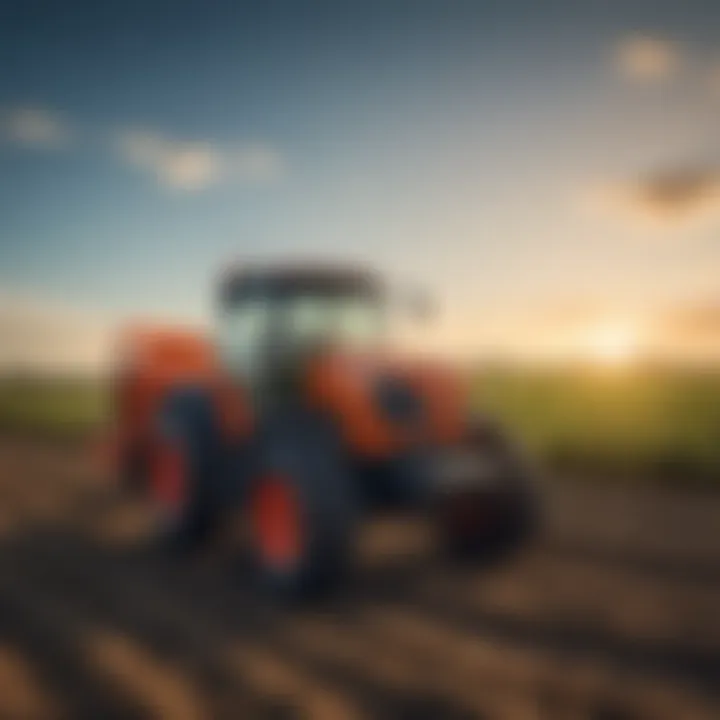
point(276, 523)
point(170, 479)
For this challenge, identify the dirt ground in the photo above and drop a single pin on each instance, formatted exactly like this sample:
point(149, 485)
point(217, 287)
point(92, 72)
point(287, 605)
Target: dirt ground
point(614, 614)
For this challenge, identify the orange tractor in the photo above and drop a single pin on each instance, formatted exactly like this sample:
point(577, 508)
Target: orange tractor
point(294, 415)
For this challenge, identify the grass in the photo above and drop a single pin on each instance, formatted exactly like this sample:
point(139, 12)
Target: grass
point(642, 422)
point(657, 422)
point(51, 407)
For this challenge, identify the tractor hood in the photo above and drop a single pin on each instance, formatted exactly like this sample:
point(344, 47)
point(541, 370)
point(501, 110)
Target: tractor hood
point(385, 403)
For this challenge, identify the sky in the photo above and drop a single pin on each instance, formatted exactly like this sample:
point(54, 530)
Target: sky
point(549, 171)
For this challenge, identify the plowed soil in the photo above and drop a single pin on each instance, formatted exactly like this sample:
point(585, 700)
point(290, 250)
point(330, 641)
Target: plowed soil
point(614, 613)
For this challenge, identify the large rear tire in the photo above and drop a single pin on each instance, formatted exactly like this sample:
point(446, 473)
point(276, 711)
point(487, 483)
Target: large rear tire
point(186, 473)
point(302, 507)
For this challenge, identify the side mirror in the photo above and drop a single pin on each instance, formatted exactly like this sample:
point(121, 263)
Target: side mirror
point(421, 305)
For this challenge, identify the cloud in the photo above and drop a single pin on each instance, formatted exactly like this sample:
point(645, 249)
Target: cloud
point(35, 128)
point(678, 197)
point(643, 58)
point(255, 163)
point(186, 166)
point(183, 165)
point(194, 166)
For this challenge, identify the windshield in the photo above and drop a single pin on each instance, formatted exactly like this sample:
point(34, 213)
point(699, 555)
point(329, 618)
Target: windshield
point(354, 320)
point(258, 330)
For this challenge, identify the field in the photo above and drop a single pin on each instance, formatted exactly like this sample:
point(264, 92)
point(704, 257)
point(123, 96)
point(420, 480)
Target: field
point(645, 422)
point(611, 615)
point(52, 407)
point(640, 424)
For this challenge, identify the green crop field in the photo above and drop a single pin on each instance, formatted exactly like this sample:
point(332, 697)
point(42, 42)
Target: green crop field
point(625, 423)
point(52, 407)
point(650, 422)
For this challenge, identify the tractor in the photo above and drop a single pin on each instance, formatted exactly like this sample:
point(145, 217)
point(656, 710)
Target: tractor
point(296, 418)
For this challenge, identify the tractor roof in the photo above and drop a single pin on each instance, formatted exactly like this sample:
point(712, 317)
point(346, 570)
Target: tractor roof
point(299, 277)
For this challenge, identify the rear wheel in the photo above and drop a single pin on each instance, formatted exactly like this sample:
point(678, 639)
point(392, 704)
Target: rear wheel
point(185, 469)
point(302, 507)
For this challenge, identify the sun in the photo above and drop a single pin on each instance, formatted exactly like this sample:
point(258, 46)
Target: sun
point(613, 344)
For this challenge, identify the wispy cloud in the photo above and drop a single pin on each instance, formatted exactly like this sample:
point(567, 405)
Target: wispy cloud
point(676, 197)
point(183, 165)
point(195, 165)
point(644, 58)
point(647, 59)
point(34, 127)
point(186, 166)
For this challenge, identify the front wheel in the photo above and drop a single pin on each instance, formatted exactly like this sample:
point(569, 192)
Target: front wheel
point(490, 520)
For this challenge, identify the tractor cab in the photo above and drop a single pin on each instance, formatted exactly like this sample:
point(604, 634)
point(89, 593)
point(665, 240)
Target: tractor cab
point(273, 321)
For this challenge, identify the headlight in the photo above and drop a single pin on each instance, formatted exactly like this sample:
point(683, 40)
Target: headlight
point(398, 401)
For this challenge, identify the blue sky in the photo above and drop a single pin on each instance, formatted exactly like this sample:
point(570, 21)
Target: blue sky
point(504, 154)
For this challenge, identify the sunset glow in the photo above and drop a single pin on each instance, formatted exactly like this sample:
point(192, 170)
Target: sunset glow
point(613, 344)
